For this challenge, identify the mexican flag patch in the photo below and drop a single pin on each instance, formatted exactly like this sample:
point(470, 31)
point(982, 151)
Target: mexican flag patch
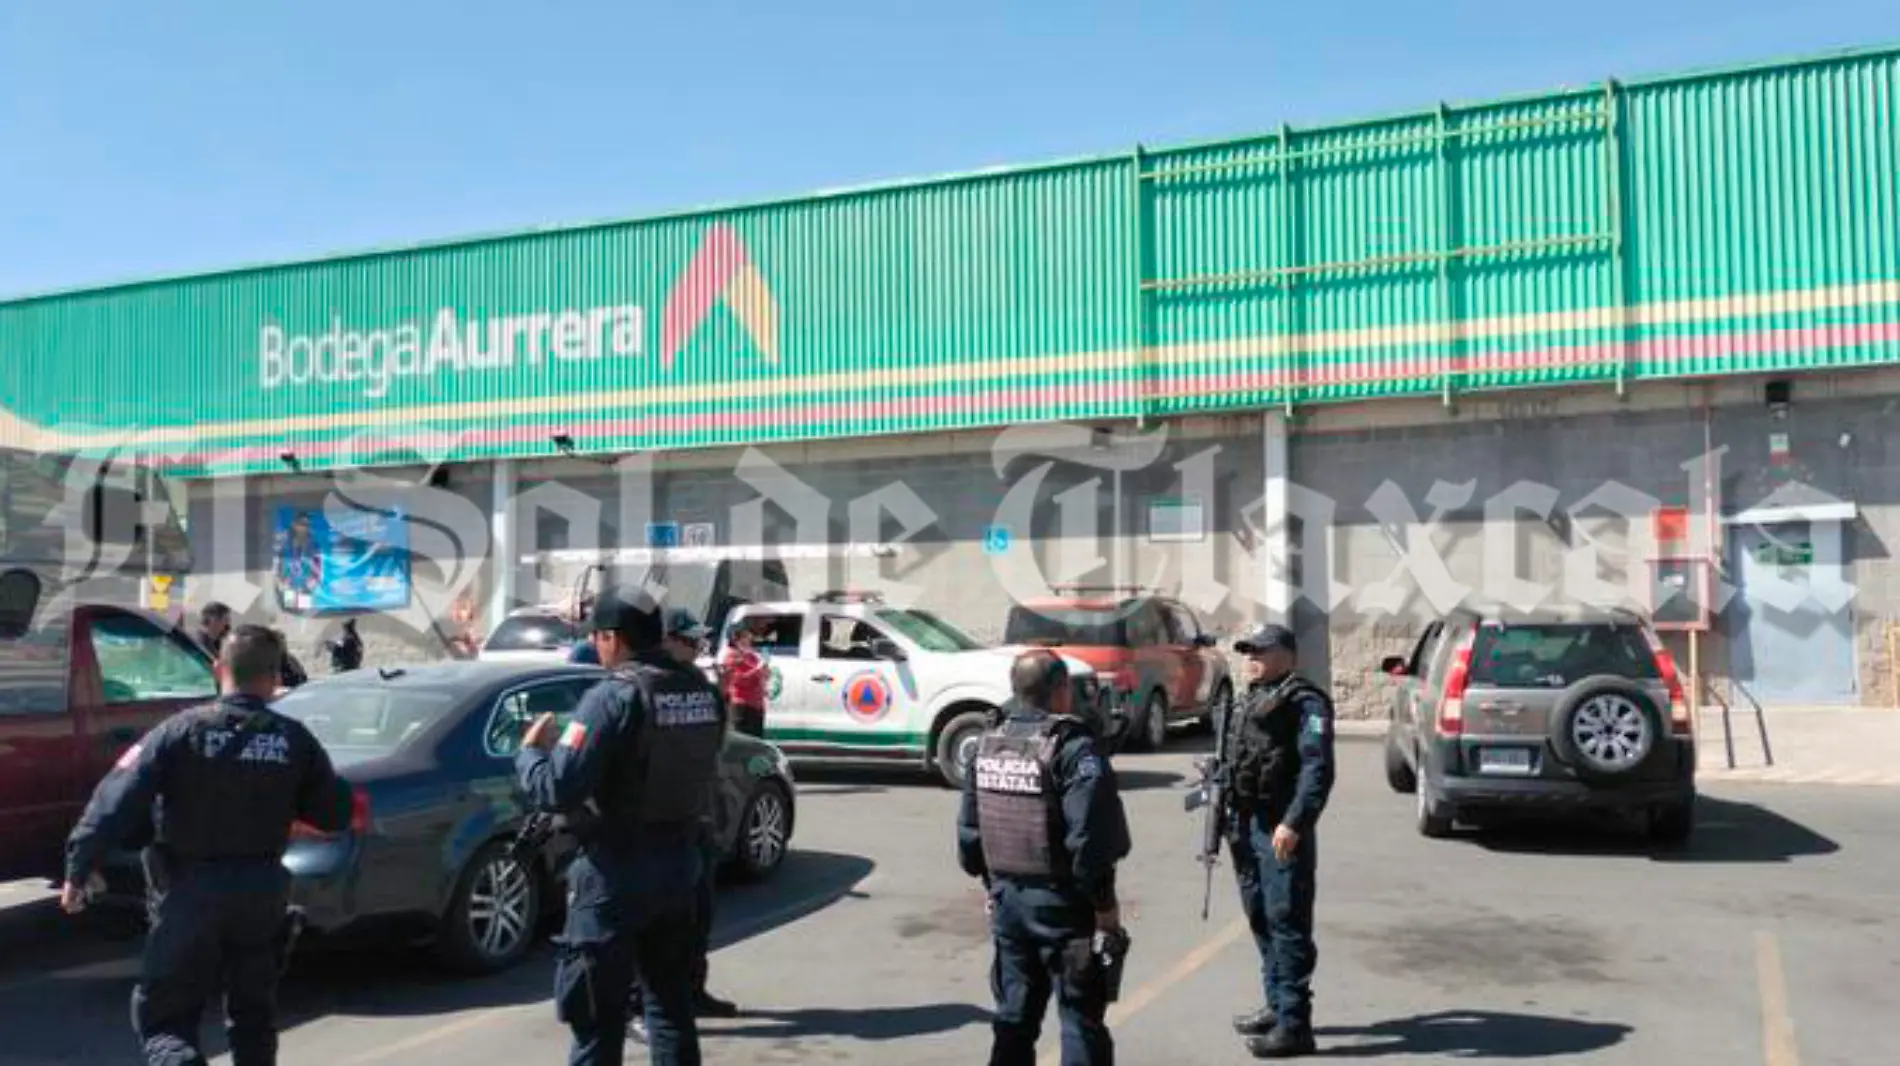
point(574, 735)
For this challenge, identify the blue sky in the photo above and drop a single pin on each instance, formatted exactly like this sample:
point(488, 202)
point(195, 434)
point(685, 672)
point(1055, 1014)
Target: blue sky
point(139, 139)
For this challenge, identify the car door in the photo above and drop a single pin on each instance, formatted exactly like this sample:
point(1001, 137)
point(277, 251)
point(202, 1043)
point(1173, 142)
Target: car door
point(493, 783)
point(789, 665)
point(1194, 682)
point(1407, 687)
point(129, 674)
point(43, 775)
point(858, 699)
point(1157, 667)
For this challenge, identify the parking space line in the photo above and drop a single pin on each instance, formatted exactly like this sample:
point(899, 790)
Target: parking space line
point(1777, 1027)
point(1181, 971)
point(721, 938)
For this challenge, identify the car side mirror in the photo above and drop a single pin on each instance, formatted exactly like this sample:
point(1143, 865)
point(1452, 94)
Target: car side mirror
point(887, 649)
point(1205, 640)
point(1394, 665)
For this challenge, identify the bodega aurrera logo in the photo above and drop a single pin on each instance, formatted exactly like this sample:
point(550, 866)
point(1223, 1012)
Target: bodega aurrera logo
point(373, 359)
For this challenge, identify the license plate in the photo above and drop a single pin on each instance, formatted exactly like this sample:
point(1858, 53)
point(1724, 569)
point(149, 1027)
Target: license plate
point(1504, 761)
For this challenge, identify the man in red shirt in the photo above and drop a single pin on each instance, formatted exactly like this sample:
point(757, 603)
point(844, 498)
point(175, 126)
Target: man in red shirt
point(745, 673)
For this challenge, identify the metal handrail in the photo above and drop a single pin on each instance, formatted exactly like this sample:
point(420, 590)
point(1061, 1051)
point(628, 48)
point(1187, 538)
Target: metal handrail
point(1728, 729)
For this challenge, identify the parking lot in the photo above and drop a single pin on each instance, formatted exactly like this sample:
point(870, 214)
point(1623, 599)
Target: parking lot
point(1772, 939)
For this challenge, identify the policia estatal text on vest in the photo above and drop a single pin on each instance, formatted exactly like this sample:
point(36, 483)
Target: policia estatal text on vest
point(213, 791)
point(1042, 823)
point(1281, 750)
point(642, 751)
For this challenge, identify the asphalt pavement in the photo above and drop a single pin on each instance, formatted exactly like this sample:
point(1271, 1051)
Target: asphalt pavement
point(1772, 940)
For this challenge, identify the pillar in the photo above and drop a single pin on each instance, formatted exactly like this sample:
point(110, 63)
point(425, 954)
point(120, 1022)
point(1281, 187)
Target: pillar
point(1276, 554)
point(502, 541)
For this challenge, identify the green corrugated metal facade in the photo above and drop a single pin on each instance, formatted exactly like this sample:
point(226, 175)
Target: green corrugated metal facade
point(1726, 222)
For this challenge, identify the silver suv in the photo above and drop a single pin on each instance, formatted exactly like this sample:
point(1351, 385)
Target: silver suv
point(1580, 712)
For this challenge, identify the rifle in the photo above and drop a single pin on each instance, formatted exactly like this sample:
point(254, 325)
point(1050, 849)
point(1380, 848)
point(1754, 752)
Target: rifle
point(1211, 792)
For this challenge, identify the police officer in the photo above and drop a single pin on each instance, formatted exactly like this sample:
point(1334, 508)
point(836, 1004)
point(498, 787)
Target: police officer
point(1042, 824)
point(226, 781)
point(685, 642)
point(642, 749)
point(1282, 774)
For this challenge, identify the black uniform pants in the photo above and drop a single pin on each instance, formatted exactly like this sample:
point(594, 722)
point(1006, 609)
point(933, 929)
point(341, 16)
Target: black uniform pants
point(1277, 898)
point(215, 930)
point(703, 904)
point(604, 949)
point(1037, 932)
point(749, 720)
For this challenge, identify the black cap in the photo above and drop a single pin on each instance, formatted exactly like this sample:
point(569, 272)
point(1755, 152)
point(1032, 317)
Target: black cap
point(682, 623)
point(630, 612)
point(1267, 638)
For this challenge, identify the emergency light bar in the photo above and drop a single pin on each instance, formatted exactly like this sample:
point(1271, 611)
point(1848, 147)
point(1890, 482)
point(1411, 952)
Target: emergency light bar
point(634, 556)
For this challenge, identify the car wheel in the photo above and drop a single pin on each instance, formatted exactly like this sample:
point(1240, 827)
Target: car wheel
point(956, 746)
point(1398, 772)
point(1436, 818)
point(1154, 723)
point(765, 833)
point(1672, 823)
point(497, 909)
point(1606, 727)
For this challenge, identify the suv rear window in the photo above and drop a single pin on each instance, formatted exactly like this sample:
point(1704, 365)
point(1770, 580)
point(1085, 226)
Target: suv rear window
point(1558, 655)
point(532, 633)
point(1065, 625)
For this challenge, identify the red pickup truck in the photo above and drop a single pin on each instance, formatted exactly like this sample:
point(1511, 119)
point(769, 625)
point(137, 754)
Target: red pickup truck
point(78, 687)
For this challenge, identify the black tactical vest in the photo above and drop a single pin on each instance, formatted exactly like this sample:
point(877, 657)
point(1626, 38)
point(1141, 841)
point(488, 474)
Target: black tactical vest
point(232, 793)
point(1018, 800)
point(1266, 741)
point(674, 762)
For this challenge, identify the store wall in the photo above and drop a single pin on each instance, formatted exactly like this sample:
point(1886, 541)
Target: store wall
point(1838, 445)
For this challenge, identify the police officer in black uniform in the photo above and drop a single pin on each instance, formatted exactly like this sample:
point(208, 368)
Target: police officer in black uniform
point(1043, 825)
point(685, 641)
point(1282, 773)
point(226, 781)
point(643, 750)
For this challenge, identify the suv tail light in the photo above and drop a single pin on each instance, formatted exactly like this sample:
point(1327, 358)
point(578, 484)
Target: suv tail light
point(1451, 702)
point(359, 819)
point(1679, 723)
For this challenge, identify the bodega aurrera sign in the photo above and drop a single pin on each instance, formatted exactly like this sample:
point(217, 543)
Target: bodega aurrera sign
point(371, 360)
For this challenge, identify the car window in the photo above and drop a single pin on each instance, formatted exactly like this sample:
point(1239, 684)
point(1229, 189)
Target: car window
point(33, 668)
point(778, 634)
point(843, 637)
point(139, 661)
point(1426, 649)
point(1081, 626)
point(1438, 656)
point(1145, 628)
point(532, 632)
point(1558, 655)
point(1182, 626)
point(513, 712)
point(928, 631)
point(358, 721)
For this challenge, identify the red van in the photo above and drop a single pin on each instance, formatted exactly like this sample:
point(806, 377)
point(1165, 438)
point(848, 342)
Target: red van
point(1150, 647)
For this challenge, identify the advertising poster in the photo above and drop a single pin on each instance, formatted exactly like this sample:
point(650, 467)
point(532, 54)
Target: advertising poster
point(359, 563)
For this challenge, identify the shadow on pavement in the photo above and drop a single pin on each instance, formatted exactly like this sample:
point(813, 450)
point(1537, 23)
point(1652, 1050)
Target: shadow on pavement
point(1138, 780)
point(1726, 831)
point(1475, 1034)
point(870, 1023)
point(80, 1015)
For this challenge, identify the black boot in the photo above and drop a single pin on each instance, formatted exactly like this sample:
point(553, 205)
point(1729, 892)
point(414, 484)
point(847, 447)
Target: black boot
point(1282, 1043)
point(1259, 1023)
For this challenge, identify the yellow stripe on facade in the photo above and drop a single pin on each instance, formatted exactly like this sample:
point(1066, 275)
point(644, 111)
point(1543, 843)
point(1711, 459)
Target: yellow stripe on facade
point(18, 433)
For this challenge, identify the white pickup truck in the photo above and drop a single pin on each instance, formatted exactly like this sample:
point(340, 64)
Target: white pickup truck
point(852, 679)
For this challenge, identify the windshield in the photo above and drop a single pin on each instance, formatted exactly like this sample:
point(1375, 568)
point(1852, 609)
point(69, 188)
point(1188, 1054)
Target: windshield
point(355, 722)
point(1557, 656)
point(1064, 625)
point(928, 631)
point(532, 633)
